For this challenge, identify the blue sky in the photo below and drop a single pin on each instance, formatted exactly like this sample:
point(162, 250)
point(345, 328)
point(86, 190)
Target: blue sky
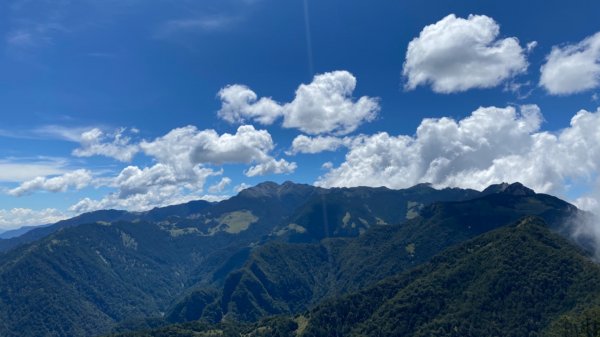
point(135, 104)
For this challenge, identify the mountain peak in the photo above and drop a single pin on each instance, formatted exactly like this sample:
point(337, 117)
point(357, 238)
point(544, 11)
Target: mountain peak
point(511, 189)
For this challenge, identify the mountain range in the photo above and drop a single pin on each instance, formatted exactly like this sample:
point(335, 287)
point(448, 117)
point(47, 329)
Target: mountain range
point(293, 259)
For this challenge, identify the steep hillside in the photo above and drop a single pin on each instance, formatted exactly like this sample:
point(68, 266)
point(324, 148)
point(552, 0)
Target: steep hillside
point(81, 278)
point(513, 281)
point(105, 268)
point(518, 280)
point(289, 278)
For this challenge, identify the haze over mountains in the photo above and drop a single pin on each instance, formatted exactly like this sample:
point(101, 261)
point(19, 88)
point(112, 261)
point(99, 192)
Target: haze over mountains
point(281, 250)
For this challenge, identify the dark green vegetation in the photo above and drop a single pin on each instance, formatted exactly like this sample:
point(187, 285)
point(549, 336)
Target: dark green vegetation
point(285, 260)
point(518, 280)
point(513, 281)
point(118, 270)
point(284, 278)
point(578, 324)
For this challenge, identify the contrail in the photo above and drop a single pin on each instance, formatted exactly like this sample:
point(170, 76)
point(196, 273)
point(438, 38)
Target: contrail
point(308, 39)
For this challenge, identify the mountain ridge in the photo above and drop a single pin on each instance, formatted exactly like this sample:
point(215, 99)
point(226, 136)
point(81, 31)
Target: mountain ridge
point(208, 260)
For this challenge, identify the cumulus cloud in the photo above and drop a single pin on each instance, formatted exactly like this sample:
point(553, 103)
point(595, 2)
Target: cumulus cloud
point(154, 197)
point(246, 146)
point(272, 166)
point(185, 158)
point(132, 180)
point(140, 189)
point(305, 144)
point(531, 46)
point(117, 145)
point(240, 104)
point(572, 68)
point(220, 186)
point(325, 105)
point(186, 147)
point(19, 217)
point(491, 145)
point(457, 54)
point(241, 187)
point(77, 179)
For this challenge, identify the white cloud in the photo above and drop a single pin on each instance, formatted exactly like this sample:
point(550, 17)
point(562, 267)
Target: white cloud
point(246, 146)
point(327, 165)
point(220, 186)
point(51, 132)
point(184, 159)
point(457, 54)
point(271, 166)
point(31, 35)
point(194, 25)
point(154, 197)
point(72, 134)
point(586, 227)
point(572, 68)
point(187, 147)
point(19, 170)
point(133, 180)
point(19, 217)
point(490, 146)
point(77, 179)
point(241, 187)
point(117, 145)
point(20, 38)
point(325, 105)
point(139, 189)
point(240, 104)
point(305, 144)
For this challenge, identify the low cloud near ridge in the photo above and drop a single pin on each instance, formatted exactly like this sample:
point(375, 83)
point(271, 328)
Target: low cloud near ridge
point(491, 145)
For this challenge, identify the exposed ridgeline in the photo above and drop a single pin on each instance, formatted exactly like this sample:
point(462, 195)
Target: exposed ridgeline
point(82, 276)
point(283, 278)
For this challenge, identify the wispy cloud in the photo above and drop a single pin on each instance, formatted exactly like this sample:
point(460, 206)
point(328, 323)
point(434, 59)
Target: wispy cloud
point(34, 24)
point(48, 132)
point(194, 25)
point(27, 35)
point(103, 55)
point(18, 217)
point(23, 169)
point(20, 38)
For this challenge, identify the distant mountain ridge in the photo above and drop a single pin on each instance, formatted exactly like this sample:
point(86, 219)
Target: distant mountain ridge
point(284, 278)
point(13, 233)
point(110, 215)
point(271, 249)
